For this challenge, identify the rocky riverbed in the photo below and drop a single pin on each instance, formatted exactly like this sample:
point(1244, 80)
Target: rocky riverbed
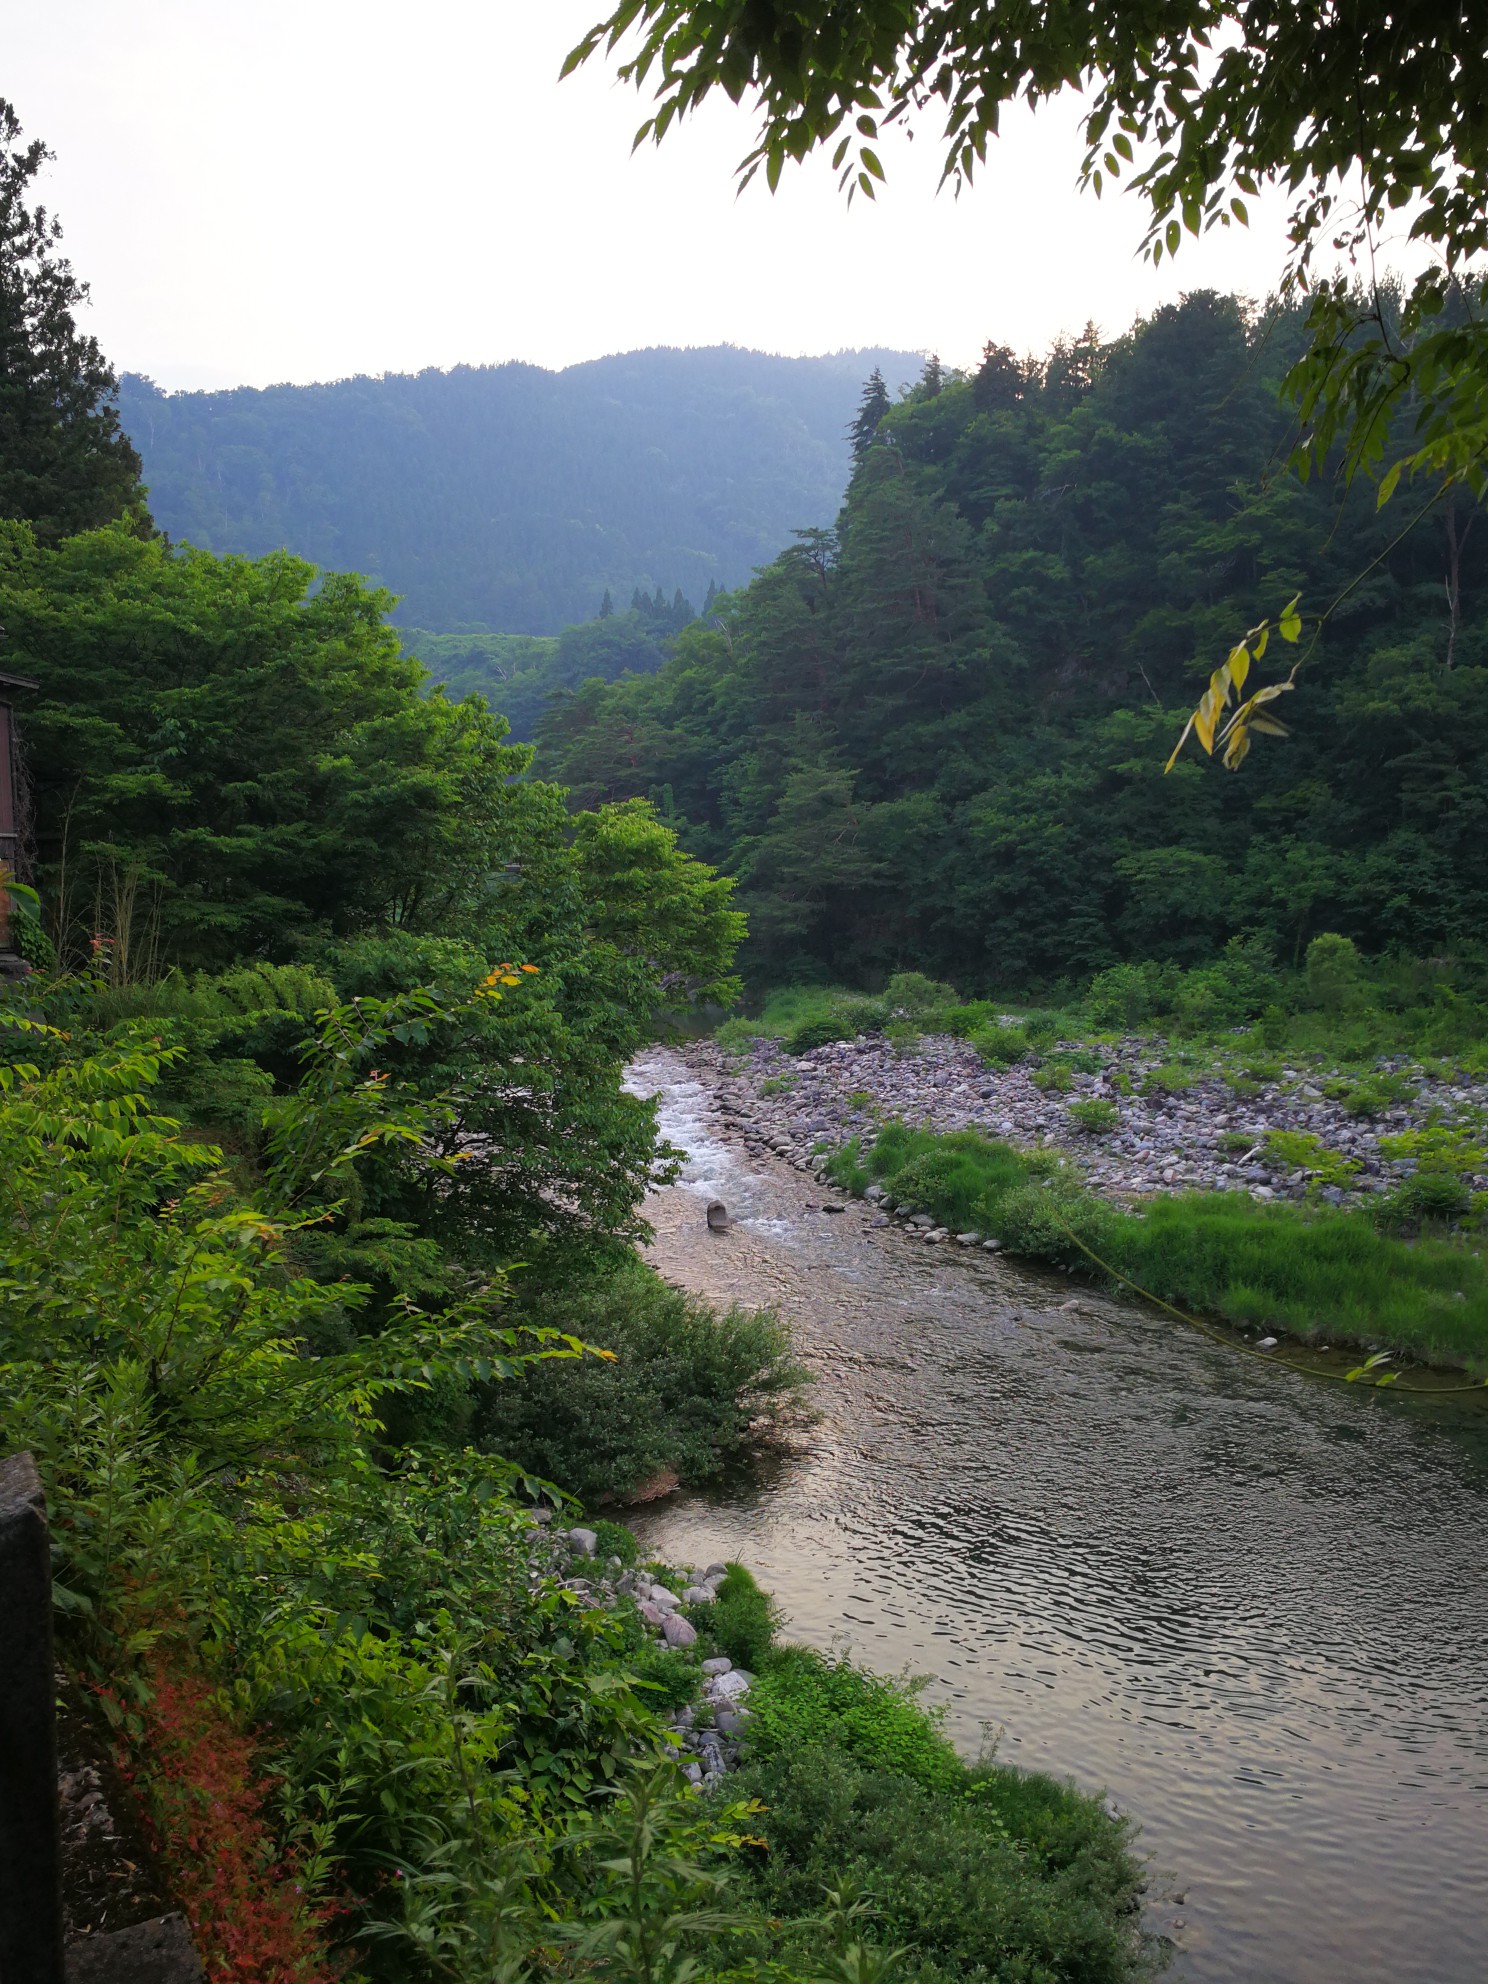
point(1209, 1136)
point(708, 1729)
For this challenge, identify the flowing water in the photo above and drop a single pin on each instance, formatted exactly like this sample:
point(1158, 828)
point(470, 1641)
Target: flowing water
point(1250, 1605)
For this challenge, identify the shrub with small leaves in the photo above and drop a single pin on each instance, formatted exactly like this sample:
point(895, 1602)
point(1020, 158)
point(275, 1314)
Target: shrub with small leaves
point(1094, 1113)
point(1001, 1046)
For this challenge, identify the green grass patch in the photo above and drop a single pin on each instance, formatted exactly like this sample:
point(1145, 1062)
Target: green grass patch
point(976, 1872)
point(1321, 1274)
point(741, 1620)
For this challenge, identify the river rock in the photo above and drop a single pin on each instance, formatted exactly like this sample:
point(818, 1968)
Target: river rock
point(583, 1542)
point(720, 1664)
point(677, 1631)
point(730, 1686)
point(698, 1594)
point(718, 1217)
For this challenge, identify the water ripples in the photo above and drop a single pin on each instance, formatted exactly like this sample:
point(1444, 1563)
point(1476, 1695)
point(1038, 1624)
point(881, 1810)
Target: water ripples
point(1249, 1604)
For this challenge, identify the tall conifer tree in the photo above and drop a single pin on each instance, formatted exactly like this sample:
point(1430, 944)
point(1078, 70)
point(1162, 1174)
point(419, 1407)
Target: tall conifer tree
point(65, 463)
point(871, 410)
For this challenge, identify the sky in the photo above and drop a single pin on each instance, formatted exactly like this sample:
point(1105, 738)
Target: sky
point(268, 190)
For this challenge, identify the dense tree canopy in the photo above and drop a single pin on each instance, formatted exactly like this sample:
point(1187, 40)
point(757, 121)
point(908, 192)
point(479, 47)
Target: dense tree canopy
point(935, 735)
point(65, 465)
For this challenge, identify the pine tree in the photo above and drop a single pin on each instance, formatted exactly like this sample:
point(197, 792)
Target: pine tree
point(932, 378)
point(1000, 381)
point(606, 605)
point(871, 410)
point(65, 463)
point(638, 601)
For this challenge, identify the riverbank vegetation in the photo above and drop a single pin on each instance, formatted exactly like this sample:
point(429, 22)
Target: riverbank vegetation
point(1385, 1258)
point(1325, 1276)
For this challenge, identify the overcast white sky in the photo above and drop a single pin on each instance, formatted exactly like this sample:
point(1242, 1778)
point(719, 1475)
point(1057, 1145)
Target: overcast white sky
point(262, 190)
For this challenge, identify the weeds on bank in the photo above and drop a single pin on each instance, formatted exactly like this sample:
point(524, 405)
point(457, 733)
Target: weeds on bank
point(1319, 1274)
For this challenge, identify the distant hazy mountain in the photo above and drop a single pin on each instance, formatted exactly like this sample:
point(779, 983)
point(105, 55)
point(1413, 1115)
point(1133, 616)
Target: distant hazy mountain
point(509, 497)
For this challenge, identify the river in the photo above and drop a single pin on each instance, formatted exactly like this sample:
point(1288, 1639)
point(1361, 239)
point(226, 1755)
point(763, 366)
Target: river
point(1250, 1605)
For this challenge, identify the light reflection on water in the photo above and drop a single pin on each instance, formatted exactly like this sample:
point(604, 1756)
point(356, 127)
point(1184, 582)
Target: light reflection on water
point(1249, 1604)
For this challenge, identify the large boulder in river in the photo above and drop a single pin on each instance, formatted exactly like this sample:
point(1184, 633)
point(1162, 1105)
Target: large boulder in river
point(718, 1218)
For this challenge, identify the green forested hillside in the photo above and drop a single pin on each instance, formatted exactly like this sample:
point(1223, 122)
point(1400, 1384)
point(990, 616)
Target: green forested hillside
point(937, 733)
point(519, 674)
point(508, 498)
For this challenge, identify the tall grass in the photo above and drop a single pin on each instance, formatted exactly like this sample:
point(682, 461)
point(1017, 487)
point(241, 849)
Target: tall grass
point(1322, 1275)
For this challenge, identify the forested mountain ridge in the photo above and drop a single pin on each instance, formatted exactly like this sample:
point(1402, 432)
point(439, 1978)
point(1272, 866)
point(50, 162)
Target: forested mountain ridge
point(936, 735)
point(508, 497)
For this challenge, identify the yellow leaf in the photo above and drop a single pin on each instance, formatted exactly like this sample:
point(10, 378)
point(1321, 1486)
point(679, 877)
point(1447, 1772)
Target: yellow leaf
point(1239, 665)
point(1239, 744)
point(1178, 747)
point(1261, 639)
point(1270, 726)
point(1203, 723)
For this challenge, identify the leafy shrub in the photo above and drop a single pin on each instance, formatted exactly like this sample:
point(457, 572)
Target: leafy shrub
point(1274, 1027)
point(1094, 1113)
point(29, 939)
point(951, 1177)
point(805, 1700)
point(1055, 1077)
point(904, 1036)
point(1375, 1094)
point(1127, 996)
point(669, 1678)
point(685, 1384)
point(913, 993)
point(1440, 1147)
point(1001, 1046)
point(1429, 1198)
point(1043, 1027)
point(1057, 1223)
point(778, 1085)
point(741, 1620)
point(863, 1015)
point(964, 1021)
point(1332, 973)
point(1237, 987)
point(613, 1539)
point(1302, 1151)
point(1169, 1078)
point(818, 1033)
